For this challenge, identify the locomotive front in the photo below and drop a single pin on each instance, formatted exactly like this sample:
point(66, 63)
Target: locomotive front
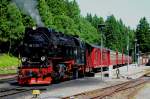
point(35, 68)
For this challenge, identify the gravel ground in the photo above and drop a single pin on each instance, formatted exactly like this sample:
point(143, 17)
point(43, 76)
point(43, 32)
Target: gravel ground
point(68, 88)
point(144, 93)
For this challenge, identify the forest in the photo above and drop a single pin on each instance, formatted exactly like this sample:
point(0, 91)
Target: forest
point(65, 16)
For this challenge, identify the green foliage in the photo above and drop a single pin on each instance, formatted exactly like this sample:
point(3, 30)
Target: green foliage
point(57, 7)
point(64, 24)
point(11, 26)
point(95, 20)
point(64, 16)
point(3, 19)
point(88, 32)
point(15, 26)
point(8, 71)
point(46, 14)
point(143, 35)
point(27, 21)
point(73, 10)
point(118, 36)
point(110, 32)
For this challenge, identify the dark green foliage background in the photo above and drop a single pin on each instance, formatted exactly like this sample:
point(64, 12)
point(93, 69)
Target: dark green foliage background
point(64, 15)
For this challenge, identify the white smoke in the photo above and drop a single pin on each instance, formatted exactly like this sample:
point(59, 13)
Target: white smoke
point(30, 8)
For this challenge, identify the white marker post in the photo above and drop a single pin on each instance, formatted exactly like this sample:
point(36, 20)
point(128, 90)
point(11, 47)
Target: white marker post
point(36, 94)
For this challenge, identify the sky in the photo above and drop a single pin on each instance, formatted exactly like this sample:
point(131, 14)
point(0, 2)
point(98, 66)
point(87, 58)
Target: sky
point(130, 11)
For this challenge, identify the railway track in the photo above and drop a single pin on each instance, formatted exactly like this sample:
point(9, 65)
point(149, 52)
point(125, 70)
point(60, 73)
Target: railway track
point(15, 91)
point(109, 91)
point(7, 78)
point(11, 91)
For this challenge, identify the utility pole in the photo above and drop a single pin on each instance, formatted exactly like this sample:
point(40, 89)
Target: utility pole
point(128, 51)
point(135, 52)
point(101, 29)
point(138, 60)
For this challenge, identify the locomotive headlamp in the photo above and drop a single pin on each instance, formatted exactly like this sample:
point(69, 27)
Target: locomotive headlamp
point(43, 58)
point(34, 27)
point(23, 59)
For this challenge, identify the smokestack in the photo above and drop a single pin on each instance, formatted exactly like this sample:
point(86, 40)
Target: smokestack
point(30, 8)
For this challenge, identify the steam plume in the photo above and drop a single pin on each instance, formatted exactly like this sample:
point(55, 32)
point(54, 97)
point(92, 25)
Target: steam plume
point(30, 8)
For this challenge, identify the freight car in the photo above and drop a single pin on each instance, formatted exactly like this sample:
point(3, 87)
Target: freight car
point(49, 56)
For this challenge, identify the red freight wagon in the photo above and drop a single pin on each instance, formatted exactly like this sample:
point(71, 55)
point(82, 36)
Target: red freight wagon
point(113, 57)
point(94, 59)
point(105, 57)
point(93, 56)
point(119, 58)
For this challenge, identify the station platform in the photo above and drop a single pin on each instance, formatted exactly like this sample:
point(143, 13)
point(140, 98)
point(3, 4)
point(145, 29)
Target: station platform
point(69, 88)
point(132, 71)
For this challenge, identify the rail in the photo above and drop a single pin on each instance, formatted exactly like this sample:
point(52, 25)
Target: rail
point(109, 91)
point(11, 91)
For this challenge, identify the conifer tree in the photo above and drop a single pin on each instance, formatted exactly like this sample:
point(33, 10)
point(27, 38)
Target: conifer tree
point(143, 35)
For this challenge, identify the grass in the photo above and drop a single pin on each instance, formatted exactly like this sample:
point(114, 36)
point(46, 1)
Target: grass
point(8, 64)
point(8, 71)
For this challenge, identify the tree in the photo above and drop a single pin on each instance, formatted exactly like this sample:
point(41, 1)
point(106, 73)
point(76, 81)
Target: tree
point(88, 32)
point(46, 14)
point(11, 26)
point(110, 33)
point(117, 35)
point(89, 17)
point(3, 21)
point(64, 24)
point(16, 26)
point(73, 10)
point(57, 7)
point(94, 20)
point(143, 35)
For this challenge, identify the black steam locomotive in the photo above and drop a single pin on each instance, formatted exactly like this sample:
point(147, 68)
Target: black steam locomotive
point(49, 54)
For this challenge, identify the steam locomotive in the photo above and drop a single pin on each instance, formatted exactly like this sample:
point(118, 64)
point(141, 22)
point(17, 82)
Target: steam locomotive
point(49, 56)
